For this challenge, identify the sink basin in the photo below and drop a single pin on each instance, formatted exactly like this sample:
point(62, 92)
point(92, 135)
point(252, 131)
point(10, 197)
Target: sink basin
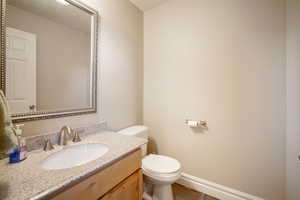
point(74, 156)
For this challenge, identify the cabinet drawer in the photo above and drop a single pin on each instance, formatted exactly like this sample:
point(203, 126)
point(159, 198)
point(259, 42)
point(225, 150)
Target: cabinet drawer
point(95, 186)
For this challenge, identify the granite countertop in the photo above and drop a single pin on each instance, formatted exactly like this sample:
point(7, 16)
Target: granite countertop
point(28, 180)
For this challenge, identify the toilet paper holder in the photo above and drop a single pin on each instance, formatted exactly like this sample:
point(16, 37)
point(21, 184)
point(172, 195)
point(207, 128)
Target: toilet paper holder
point(196, 124)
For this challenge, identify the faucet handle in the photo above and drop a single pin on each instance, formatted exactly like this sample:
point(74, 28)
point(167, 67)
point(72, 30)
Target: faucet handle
point(76, 137)
point(48, 145)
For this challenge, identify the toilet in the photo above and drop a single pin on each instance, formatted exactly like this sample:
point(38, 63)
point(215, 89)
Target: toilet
point(159, 171)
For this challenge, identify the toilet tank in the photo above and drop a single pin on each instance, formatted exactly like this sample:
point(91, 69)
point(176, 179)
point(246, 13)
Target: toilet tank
point(137, 131)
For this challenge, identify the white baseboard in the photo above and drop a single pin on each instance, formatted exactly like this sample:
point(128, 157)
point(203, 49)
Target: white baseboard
point(213, 189)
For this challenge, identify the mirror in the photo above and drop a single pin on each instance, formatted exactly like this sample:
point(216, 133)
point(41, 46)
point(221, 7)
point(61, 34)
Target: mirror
point(50, 62)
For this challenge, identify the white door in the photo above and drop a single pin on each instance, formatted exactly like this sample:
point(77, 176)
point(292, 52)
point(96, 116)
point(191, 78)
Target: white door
point(21, 71)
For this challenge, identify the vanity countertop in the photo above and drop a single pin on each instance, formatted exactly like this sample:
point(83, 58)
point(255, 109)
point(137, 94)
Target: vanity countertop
point(28, 180)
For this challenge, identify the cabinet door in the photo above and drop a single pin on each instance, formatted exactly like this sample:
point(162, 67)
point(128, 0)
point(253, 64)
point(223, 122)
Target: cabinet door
point(130, 189)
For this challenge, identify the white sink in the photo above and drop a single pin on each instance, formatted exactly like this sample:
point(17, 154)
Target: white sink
point(74, 156)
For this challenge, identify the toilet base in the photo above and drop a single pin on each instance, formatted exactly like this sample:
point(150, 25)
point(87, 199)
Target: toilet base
point(162, 192)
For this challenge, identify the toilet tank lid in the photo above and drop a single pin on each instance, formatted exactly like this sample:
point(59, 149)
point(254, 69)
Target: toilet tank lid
point(133, 130)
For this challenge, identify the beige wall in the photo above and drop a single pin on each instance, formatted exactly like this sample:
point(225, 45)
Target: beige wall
point(63, 61)
point(293, 99)
point(224, 62)
point(119, 70)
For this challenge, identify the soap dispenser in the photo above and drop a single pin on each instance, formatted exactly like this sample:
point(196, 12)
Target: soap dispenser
point(22, 142)
point(20, 153)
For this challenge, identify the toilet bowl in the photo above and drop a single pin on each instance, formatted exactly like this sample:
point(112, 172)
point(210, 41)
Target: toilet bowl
point(159, 171)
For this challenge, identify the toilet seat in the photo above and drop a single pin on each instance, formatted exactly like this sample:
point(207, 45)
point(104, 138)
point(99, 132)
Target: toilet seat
point(161, 169)
point(159, 165)
point(163, 178)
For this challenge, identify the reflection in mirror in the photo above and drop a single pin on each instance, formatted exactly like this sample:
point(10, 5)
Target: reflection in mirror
point(49, 62)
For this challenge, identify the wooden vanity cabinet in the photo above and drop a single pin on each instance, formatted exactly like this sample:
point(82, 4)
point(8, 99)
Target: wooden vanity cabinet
point(123, 180)
point(129, 189)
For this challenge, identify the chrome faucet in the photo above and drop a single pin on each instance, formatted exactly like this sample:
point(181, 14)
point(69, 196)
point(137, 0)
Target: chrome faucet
point(64, 134)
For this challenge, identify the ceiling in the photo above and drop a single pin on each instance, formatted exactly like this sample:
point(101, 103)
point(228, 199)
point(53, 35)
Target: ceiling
point(145, 5)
